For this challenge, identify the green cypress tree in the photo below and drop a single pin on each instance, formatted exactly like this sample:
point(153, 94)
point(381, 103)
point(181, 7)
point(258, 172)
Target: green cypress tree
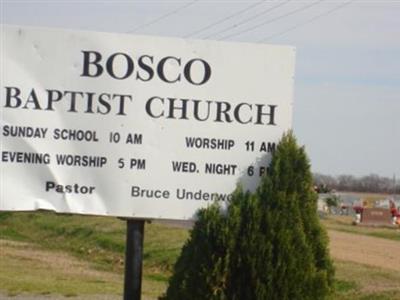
point(249, 249)
point(287, 193)
point(268, 245)
point(200, 271)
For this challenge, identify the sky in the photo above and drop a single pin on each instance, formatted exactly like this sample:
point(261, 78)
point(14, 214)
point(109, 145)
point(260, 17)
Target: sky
point(347, 85)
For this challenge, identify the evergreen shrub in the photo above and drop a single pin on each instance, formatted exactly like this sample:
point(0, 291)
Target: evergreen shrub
point(266, 245)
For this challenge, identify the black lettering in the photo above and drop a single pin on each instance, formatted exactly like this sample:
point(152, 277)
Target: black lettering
point(52, 96)
point(73, 95)
point(196, 113)
point(173, 108)
point(160, 69)
point(110, 66)
point(13, 93)
point(122, 99)
point(96, 58)
point(222, 109)
point(104, 103)
point(32, 98)
point(236, 113)
point(50, 185)
point(150, 111)
point(188, 74)
point(142, 64)
point(270, 114)
point(89, 107)
point(6, 130)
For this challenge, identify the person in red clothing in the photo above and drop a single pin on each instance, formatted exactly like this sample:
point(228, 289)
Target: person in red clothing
point(395, 213)
point(358, 209)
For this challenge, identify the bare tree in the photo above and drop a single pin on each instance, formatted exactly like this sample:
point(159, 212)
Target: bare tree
point(372, 183)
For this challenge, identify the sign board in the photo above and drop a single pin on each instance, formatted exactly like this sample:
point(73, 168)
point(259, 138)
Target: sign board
point(136, 126)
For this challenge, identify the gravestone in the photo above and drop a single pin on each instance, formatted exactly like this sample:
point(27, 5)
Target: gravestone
point(376, 216)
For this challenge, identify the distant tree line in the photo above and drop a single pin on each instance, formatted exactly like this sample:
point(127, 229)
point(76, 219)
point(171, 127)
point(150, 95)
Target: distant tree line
point(348, 183)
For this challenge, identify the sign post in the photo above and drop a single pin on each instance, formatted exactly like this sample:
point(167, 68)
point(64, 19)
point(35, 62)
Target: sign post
point(133, 259)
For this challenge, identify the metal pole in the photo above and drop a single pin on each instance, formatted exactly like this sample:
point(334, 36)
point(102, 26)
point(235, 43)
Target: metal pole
point(133, 259)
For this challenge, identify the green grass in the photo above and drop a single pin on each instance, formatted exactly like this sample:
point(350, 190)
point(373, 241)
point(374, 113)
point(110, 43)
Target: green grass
point(342, 286)
point(99, 242)
point(31, 276)
point(360, 282)
point(344, 224)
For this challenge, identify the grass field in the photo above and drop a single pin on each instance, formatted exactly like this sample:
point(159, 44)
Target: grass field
point(343, 224)
point(361, 282)
point(96, 240)
point(44, 253)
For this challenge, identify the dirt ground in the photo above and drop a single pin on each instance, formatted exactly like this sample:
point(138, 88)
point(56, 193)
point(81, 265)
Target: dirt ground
point(377, 252)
